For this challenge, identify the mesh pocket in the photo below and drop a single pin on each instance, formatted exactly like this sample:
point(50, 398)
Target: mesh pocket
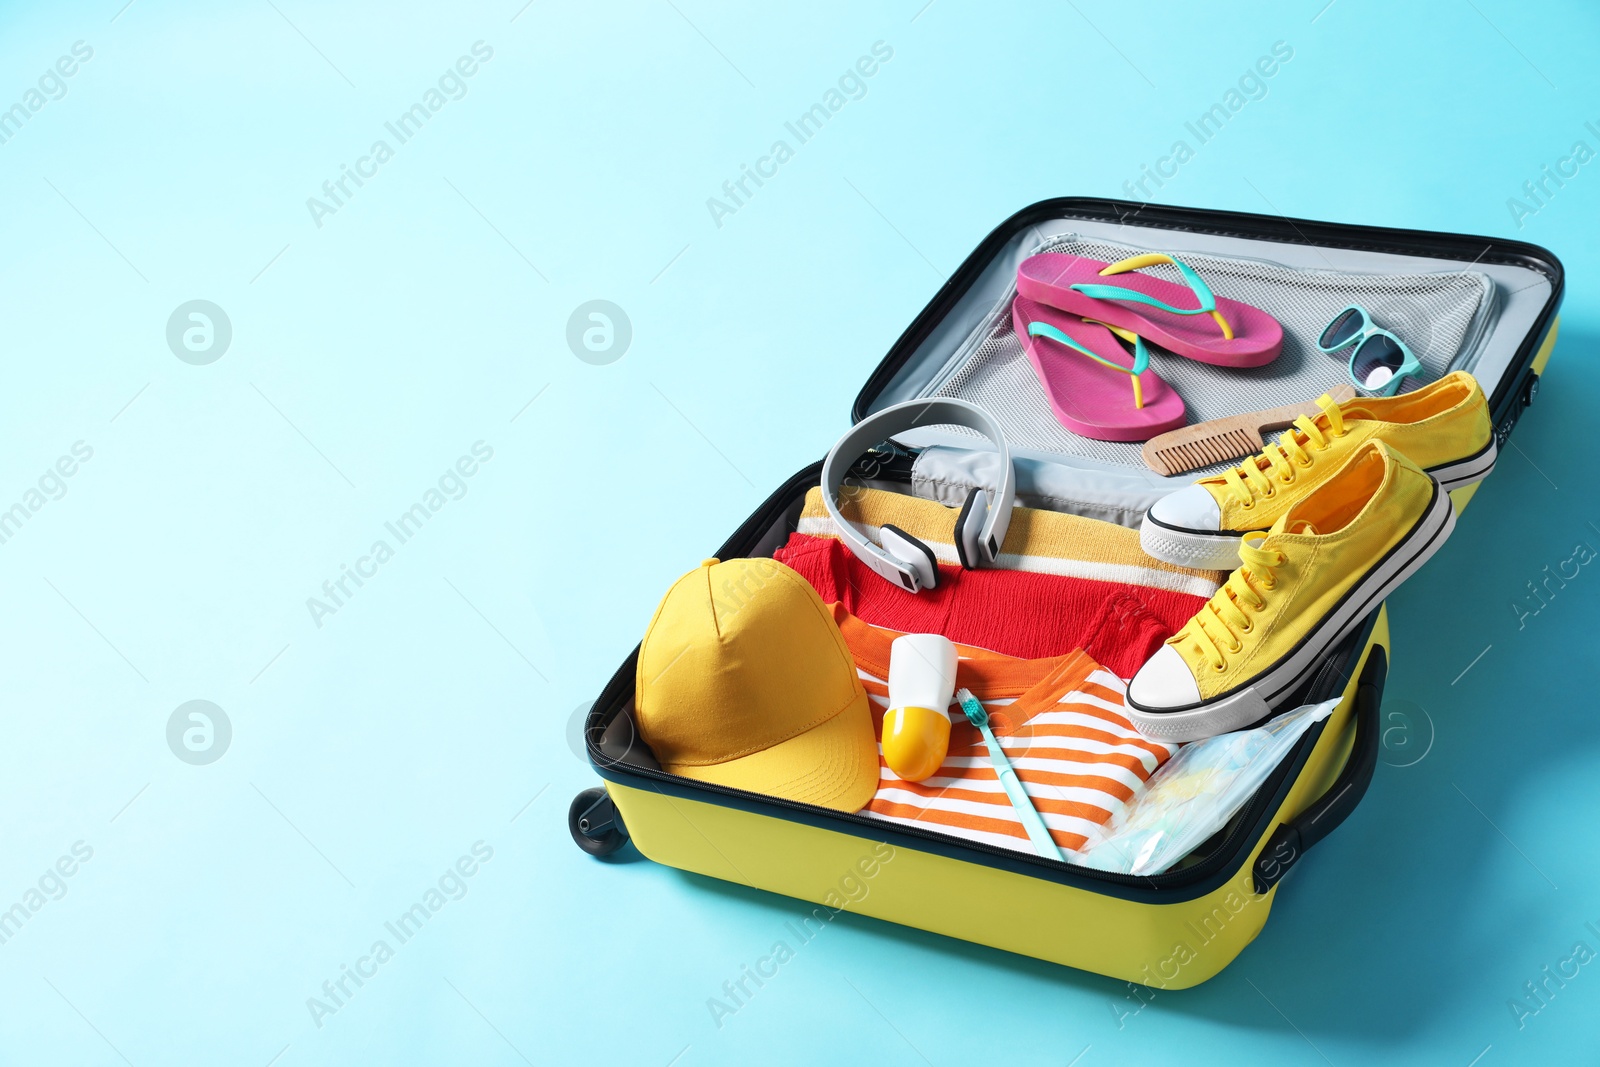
point(1437, 315)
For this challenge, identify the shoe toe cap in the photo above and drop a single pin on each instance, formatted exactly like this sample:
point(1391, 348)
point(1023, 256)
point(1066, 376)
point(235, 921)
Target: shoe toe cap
point(1164, 682)
point(1189, 508)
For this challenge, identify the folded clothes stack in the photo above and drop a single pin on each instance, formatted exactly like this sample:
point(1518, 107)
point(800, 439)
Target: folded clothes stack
point(1062, 582)
point(1061, 723)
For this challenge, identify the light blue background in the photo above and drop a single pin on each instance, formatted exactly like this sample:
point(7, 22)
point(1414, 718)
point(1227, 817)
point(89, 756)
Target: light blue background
point(432, 710)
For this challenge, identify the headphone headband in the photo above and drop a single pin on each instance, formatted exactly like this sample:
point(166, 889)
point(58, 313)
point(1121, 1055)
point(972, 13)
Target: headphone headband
point(978, 535)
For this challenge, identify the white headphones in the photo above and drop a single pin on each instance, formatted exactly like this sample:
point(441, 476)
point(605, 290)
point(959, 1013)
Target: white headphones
point(980, 528)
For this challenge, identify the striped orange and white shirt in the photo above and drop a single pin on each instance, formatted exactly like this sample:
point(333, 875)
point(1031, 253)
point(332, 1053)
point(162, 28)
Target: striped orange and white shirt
point(1061, 723)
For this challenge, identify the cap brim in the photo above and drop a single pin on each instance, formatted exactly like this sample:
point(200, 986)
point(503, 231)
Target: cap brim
point(831, 765)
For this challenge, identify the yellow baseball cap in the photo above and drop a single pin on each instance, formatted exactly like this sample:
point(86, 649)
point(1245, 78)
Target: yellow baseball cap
point(744, 681)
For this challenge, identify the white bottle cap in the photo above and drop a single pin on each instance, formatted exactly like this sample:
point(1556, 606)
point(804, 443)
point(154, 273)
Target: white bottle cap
point(922, 672)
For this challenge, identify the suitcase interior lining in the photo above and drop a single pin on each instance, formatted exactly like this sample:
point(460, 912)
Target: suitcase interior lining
point(1455, 314)
point(1440, 316)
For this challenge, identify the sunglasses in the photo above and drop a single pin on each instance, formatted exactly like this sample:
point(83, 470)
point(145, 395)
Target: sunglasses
point(1379, 361)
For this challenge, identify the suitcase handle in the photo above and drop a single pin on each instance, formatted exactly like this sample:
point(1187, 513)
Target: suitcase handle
point(1292, 839)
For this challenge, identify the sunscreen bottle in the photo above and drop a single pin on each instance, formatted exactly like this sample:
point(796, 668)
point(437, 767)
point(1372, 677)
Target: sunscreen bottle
point(916, 728)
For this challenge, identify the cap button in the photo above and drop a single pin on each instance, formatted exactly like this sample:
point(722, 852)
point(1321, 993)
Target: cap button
point(709, 562)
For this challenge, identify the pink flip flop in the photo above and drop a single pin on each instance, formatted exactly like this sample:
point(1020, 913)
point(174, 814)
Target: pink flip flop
point(1219, 331)
point(1096, 388)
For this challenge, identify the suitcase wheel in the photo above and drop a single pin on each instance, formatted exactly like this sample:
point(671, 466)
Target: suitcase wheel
point(594, 823)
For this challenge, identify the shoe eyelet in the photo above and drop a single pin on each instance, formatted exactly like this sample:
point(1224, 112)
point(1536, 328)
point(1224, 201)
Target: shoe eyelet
point(1307, 464)
point(1248, 507)
point(1248, 627)
point(1286, 481)
point(1238, 647)
point(1219, 668)
point(1269, 493)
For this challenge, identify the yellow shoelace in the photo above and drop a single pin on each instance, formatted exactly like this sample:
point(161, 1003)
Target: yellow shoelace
point(1278, 460)
point(1227, 609)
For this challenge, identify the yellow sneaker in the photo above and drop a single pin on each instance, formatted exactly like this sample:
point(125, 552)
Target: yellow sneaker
point(1444, 428)
point(1302, 586)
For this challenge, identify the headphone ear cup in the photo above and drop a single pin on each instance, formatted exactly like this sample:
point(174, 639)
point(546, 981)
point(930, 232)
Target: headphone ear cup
point(969, 527)
point(908, 550)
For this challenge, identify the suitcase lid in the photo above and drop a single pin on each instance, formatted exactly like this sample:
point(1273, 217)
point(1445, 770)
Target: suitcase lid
point(1481, 304)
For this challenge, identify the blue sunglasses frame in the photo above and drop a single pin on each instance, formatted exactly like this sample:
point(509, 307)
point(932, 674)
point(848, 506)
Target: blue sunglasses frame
point(1409, 363)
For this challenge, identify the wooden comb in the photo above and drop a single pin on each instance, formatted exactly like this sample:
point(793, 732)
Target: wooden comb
point(1220, 440)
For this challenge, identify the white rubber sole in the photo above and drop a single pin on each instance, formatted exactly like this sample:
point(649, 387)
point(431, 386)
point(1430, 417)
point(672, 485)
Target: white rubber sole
point(1249, 705)
point(1220, 551)
point(1469, 470)
point(1186, 548)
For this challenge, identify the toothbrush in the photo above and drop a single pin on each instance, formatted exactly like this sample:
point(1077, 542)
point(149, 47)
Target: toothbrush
point(1043, 843)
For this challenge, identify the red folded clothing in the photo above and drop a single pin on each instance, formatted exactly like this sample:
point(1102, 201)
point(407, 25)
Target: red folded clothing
point(1018, 613)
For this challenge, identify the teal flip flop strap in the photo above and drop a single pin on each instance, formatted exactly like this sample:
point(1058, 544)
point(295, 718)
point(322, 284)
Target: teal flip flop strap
point(1141, 355)
point(1202, 293)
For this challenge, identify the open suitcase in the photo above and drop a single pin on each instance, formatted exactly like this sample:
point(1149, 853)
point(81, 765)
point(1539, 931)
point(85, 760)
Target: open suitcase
point(1475, 303)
